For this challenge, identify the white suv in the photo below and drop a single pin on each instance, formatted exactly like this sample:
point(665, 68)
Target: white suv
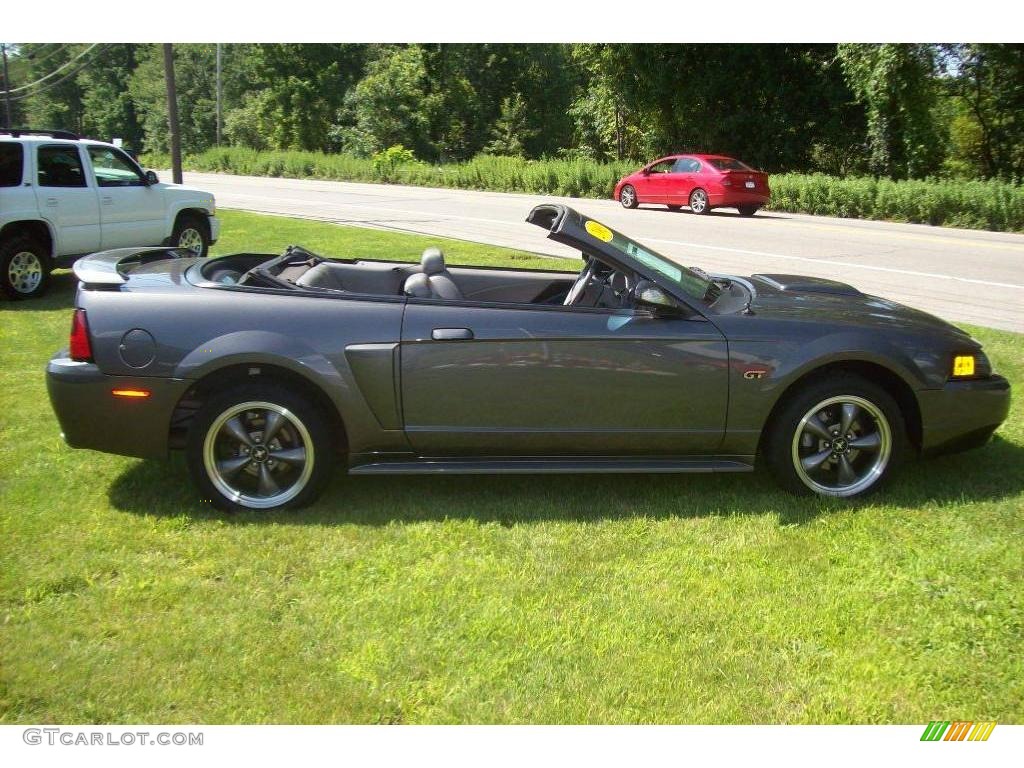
point(62, 196)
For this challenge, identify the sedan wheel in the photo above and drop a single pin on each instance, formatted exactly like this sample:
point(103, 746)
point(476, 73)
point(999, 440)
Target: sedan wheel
point(628, 198)
point(259, 448)
point(699, 202)
point(839, 436)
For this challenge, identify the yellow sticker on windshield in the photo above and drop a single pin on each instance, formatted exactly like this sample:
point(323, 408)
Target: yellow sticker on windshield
point(600, 231)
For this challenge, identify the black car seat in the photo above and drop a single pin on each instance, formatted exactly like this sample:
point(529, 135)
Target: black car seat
point(437, 278)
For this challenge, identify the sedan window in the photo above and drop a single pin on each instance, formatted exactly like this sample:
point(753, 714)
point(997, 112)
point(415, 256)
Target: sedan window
point(687, 165)
point(664, 166)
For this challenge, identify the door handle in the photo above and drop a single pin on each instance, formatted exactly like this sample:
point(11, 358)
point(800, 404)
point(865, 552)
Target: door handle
point(52, 202)
point(451, 334)
point(107, 200)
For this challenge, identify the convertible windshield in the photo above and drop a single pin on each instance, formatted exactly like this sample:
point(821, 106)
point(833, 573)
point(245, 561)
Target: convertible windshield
point(692, 284)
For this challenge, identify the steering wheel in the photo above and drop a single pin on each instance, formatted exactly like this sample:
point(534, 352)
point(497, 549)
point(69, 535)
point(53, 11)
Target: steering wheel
point(581, 283)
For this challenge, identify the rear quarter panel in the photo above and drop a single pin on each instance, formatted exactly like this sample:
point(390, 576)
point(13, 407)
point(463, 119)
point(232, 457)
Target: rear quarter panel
point(198, 331)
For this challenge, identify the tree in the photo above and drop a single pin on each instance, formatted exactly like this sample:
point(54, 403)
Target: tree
point(895, 83)
point(511, 130)
point(390, 105)
point(987, 130)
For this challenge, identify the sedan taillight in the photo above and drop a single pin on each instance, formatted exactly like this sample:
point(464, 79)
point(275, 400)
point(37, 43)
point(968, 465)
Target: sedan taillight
point(81, 347)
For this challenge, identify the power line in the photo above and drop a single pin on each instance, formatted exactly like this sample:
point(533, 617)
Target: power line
point(55, 83)
point(31, 55)
point(59, 69)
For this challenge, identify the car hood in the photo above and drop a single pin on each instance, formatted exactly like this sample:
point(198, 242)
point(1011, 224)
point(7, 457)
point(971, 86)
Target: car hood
point(822, 301)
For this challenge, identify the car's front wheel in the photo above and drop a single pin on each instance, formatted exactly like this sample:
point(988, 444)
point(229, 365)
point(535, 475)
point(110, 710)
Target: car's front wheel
point(260, 447)
point(628, 198)
point(191, 234)
point(24, 268)
point(699, 202)
point(838, 436)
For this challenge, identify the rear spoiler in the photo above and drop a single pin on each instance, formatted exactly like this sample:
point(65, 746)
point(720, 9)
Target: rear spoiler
point(105, 267)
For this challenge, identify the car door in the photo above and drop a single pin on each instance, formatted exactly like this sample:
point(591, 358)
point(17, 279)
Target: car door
point(541, 380)
point(654, 187)
point(67, 199)
point(682, 180)
point(131, 211)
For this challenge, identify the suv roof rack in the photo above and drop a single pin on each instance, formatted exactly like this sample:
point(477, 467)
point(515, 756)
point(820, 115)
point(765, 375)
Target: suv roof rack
point(16, 132)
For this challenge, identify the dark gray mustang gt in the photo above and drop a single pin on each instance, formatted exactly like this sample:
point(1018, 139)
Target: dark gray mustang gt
point(269, 371)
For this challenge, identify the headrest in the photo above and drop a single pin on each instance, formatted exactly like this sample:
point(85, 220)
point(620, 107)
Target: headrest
point(418, 286)
point(432, 261)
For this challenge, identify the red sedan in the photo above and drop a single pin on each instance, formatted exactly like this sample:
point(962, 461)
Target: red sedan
point(702, 182)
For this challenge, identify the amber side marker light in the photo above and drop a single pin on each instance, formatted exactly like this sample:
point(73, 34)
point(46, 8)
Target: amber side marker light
point(963, 365)
point(130, 393)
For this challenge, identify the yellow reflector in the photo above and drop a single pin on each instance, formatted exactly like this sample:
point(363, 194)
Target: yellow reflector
point(598, 230)
point(963, 365)
point(130, 392)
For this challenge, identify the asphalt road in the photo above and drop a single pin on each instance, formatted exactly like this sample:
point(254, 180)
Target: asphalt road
point(960, 275)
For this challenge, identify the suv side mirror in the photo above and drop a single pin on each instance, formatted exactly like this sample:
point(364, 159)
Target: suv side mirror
point(152, 178)
point(647, 294)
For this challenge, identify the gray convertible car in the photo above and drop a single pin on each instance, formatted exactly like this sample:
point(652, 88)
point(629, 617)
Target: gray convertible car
point(269, 371)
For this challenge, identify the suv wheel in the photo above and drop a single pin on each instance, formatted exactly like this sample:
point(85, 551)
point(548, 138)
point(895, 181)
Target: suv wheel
point(24, 268)
point(260, 447)
point(191, 234)
point(839, 436)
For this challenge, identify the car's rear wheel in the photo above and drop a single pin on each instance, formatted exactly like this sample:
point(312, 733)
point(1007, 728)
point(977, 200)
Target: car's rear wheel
point(839, 436)
point(747, 210)
point(628, 198)
point(191, 234)
point(259, 447)
point(24, 268)
point(699, 202)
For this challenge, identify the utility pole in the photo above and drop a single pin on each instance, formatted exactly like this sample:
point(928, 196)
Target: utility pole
point(172, 112)
point(219, 94)
point(7, 85)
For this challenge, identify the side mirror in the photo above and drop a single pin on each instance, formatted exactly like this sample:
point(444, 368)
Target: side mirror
point(152, 178)
point(645, 171)
point(647, 294)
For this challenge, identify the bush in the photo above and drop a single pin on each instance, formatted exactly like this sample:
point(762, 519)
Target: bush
point(993, 205)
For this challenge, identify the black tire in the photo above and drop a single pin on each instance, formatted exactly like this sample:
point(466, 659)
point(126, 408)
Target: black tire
point(675, 207)
point(789, 440)
point(24, 268)
point(699, 202)
point(240, 464)
point(628, 197)
point(192, 232)
point(747, 210)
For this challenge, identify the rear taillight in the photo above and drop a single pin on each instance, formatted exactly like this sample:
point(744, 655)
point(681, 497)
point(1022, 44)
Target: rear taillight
point(81, 347)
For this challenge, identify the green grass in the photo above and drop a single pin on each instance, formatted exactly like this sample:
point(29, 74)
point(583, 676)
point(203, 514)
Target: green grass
point(993, 205)
point(599, 599)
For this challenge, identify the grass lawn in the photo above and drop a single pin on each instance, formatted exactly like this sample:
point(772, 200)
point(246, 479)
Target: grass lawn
point(683, 599)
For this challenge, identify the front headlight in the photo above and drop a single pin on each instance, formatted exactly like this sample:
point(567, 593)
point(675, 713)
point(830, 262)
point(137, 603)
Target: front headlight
point(970, 365)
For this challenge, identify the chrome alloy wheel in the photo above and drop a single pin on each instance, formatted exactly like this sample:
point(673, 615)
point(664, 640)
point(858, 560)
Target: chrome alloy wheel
point(25, 272)
point(698, 201)
point(258, 455)
point(191, 239)
point(841, 446)
point(627, 197)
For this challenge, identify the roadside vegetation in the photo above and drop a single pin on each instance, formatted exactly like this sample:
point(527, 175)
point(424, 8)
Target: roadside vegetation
point(993, 205)
point(588, 599)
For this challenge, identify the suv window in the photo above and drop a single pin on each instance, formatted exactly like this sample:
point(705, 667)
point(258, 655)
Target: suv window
point(686, 165)
point(12, 162)
point(60, 166)
point(113, 168)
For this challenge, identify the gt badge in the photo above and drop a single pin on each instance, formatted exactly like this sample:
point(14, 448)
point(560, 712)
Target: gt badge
point(755, 373)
